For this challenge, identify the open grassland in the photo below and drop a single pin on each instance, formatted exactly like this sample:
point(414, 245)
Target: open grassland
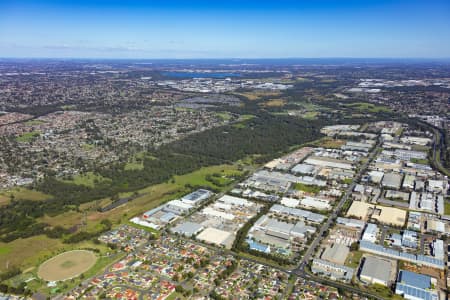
point(151, 197)
point(199, 177)
point(256, 95)
point(137, 161)
point(368, 107)
point(310, 115)
point(26, 252)
point(67, 265)
point(274, 103)
point(21, 194)
point(328, 142)
point(420, 161)
point(313, 189)
point(134, 165)
point(5, 250)
point(4, 200)
point(241, 123)
point(34, 122)
point(88, 179)
point(353, 259)
point(88, 147)
point(224, 115)
point(246, 117)
point(262, 260)
point(28, 136)
point(447, 208)
point(30, 252)
point(175, 296)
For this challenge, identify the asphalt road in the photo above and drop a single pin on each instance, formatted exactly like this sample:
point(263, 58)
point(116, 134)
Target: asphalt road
point(301, 271)
point(437, 147)
point(312, 248)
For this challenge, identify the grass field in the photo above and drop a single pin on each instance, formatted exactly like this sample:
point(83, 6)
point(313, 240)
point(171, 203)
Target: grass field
point(30, 252)
point(26, 252)
point(353, 259)
point(310, 115)
point(239, 125)
point(28, 136)
point(246, 117)
point(447, 208)
point(5, 250)
point(314, 189)
point(34, 122)
point(87, 179)
point(88, 147)
point(134, 165)
point(67, 265)
point(262, 260)
point(255, 95)
point(4, 200)
point(420, 148)
point(199, 177)
point(21, 194)
point(328, 142)
point(175, 296)
point(420, 161)
point(137, 161)
point(152, 196)
point(274, 103)
point(224, 115)
point(368, 107)
point(69, 107)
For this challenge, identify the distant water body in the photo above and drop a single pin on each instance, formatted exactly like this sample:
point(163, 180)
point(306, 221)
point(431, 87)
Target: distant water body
point(199, 75)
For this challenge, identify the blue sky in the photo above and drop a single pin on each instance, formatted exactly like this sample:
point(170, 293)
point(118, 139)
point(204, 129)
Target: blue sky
point(225, 29)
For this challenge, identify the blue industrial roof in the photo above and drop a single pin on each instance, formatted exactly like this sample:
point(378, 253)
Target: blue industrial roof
point(403, 289)
point(402, 255)
point(257, 246)
point(414, 279)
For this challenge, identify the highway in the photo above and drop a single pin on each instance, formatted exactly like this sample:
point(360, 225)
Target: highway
point(438, 145)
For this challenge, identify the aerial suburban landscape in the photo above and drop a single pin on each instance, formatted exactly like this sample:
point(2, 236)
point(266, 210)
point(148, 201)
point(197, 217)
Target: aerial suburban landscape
point(197, 177)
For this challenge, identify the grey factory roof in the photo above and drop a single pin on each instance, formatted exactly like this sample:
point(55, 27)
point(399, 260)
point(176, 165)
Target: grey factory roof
point(278, 226)
point(197, 195)
point(329, 268)
point(376, 268)
point(310, 216)
point(336, 253)
point(303, 169)
point(392, 180)
point(351, 222)
point(187, 228)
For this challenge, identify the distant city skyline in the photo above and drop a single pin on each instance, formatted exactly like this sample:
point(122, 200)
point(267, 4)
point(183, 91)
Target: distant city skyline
point(225, 29)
